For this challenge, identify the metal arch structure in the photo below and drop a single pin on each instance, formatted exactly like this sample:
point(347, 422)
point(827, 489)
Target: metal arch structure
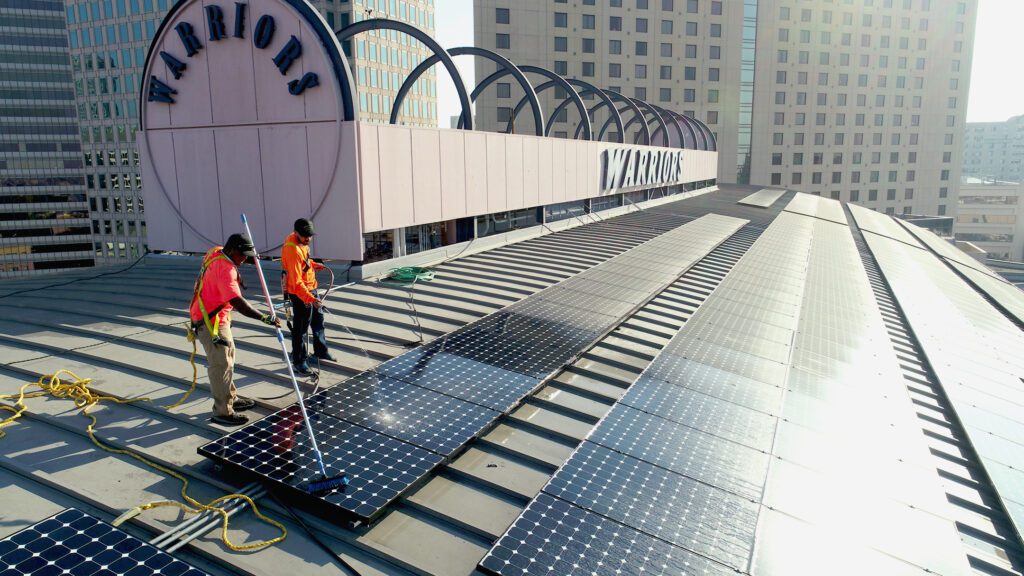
point(504, 63)
point(696, 135)
point(658, 117)
point(555, 79)
point(351, 30)
point(680, 120)
point(679, 131)
point(630, 105)
point(588, 88)
point(708, 135)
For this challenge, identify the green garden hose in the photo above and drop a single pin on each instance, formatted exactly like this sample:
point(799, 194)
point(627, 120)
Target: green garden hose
point(410, 274)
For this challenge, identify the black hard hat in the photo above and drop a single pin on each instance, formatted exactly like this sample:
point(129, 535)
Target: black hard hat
point(304, 227)
point(242, 243)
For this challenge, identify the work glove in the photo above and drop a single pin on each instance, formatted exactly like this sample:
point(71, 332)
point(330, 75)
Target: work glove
point(270, 320)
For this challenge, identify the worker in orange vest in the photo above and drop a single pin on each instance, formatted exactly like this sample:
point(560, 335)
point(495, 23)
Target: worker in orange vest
point(217, 292)
point(300, 272)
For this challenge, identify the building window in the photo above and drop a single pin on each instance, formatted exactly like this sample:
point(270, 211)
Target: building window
point(501, 16)
point(504, 90)
point(666, 73)
point(666, 50)
point(691, 6)
point(561, 44)
point(716, 30)
point(641, 48)
point(589, 22)
point(561, 20)
point(776, 158)
point(712, 96)
point(502, 41)
point(588, 46)
point(668, 5)
point(689, 95)
point(776, 178)
point(504, 114)
point(615, 70)
point(666, 27)
point(640, 93)
point(640, 71)
point(641, 25)
point(614, 23)
point(615, 46)
point(587, 69)
point(665, 94)
point(690, 73)
point(561, 67)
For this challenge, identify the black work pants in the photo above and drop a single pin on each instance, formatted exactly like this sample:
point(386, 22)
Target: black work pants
point(304, 317)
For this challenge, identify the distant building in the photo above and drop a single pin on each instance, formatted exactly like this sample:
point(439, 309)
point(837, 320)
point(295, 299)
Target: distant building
point(44, 216)
point(858, 101)
point(995, 150)
point(989, 216)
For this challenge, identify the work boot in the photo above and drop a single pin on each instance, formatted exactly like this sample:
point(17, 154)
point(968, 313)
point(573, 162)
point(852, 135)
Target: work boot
point(325, 356)
point(232, 420)
point(302, 369)
point(243, 404)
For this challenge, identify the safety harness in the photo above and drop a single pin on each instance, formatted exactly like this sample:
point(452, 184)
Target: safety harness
point(215, 253)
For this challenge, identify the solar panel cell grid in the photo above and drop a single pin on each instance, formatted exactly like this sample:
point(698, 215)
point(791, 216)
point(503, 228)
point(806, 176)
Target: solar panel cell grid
point(688, 451)
point(555, 538)
point(72, 542)
point(277, 448)
point(660, 503)
point(416, 415)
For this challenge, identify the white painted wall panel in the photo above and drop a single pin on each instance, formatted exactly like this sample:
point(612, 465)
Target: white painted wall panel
point(286, 185)
point(369, 177)
point(426, 168)
point(496, 192)
point(514, 171)
point(241, 187)
point(530, 169)
point(453, 174)
point(396, 176)
point(476, 172)
point(196, 177)
point(546, 170)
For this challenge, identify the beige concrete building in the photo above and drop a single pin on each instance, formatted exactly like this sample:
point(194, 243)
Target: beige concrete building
point(995, 150)
point(989, 217)
point(676, 54)
point(860, 100)
point(864, 101)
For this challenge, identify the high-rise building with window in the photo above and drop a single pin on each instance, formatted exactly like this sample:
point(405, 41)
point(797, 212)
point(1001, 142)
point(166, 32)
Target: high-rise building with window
point(860, 100)
point(995, 150)
point(44, 216)
point(109, 40)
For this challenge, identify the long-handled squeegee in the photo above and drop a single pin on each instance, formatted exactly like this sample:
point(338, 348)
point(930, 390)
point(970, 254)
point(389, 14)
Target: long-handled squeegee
point(325, 483)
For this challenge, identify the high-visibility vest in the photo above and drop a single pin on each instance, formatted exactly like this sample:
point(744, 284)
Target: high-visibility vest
point(214, 254)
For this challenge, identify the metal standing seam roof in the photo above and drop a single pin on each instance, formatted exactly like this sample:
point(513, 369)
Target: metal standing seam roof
point(790, 385)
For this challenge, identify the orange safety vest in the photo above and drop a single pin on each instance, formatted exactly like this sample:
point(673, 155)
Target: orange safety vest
point(214, 254)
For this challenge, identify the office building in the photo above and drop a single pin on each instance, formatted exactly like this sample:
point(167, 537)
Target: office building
point(44, 217)
point(989, 217)
point(995, 150)
point(858, 100)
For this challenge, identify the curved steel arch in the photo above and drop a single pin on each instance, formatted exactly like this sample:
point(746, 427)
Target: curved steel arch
point(696, 136)
point(658, 117)
point(709, 136)
point(555, 78)
point(679, 122)
point(588, 88)
point(351, 30)
point(637, 113)
point(679, 131)
point(504, 63)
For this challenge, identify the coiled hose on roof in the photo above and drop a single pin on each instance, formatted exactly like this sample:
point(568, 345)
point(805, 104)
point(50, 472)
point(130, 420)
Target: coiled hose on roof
point(410, 274)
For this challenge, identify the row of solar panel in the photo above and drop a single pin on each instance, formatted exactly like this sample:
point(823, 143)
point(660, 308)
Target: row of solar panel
point(387, 428)
point(73, 542)
point(683, 459)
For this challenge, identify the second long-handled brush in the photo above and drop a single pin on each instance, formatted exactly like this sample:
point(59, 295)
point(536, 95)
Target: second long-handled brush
point(325, 483)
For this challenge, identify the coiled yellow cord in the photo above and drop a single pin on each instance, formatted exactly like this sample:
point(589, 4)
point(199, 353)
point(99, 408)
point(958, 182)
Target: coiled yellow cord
point(85, 398)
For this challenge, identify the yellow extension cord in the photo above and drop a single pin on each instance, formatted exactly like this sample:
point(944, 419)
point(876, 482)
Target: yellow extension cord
point(85, 398)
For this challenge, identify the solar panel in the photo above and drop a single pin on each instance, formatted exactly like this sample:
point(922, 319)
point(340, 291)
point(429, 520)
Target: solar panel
point(763, 198)
point(688, 451)
point(708, 380)
point(278, 449)
point(555, 538)
point(404, 411)
point(478, 382)
point(73, 542)
point(669, 506)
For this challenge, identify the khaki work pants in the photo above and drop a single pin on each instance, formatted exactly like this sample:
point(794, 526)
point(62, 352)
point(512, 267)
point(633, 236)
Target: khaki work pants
point(220, 368)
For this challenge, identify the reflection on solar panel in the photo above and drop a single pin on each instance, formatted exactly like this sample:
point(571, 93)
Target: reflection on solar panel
point(1006, 295)
point(660, 503)
point(277, 449)
point(881, 224)
point(793, 340)
point(72, 542)
point(763, 198)
point(983, 384)
point(555, 538)
point(388, 429)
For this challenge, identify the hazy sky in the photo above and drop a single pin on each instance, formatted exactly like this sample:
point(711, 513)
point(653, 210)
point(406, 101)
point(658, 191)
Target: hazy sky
point(997, 85)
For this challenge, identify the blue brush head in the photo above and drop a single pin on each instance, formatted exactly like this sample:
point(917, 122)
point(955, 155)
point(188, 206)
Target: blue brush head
point(326, 484)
